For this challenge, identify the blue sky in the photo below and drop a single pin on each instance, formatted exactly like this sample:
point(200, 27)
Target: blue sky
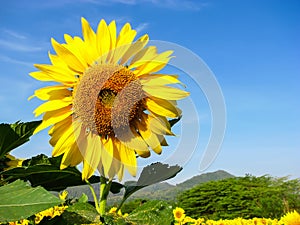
point(252, 48)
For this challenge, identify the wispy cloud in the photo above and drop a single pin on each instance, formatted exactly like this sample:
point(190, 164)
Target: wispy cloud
point(16, 41)
point(178, 4)
point(141, 27)
point(22, 47)
point(15, 61)
point(193, 5)
point(14, 34)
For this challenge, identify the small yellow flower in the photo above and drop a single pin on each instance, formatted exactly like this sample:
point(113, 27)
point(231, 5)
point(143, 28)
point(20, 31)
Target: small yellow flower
point(199, 221)
point(114, 210)
point(13, 223)
point(38, 218)
point(188, 219)
point(178, 214)
point(24, 222)
point(291, 218)
point(13, 162)
point(63, 195)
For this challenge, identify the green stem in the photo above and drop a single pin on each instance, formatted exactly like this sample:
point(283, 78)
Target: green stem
point(94, 196)
point(104, 191)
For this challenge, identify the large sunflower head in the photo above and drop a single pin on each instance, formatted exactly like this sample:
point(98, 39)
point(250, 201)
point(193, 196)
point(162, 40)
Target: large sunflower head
point(110, 104)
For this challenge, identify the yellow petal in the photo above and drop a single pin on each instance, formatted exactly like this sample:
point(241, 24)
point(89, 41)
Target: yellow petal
point(87, 32)
point(68, 38)
point(121, 172)
point(59, 128)
point(69, 58)
point(91, 155)
point(165, 92)
point(51, 93)
point(155, 64)
point(57, 73)
point(61, 64)
point(89, 37)
point(53, 117)
point(143, 56)
point(158, 79)
point(103, 41)
point(150, 138)
point(66, 139)
point(72, 157)
point(124, 40)
point(53, 105)
point(132, 140)
point(128, 159)
point(116, 165)
point(113, 38)
point(162, 140)
point(134, 48)
point(78, 48)
point(158, 124)
point(162, 107)
point(107, 157)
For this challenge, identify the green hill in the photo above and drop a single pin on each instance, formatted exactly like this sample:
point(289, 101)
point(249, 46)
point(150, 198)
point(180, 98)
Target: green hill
point(160, 191)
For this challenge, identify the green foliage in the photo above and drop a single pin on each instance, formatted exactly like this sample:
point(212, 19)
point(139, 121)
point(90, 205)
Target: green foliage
point(14, 135)
point(132, 205)
point(202, 178)
point(152, 174)
point(80, 213)
point(18, 200)
point(152, 213)
point(44, 171)
point(245, 197)
point(165, 191)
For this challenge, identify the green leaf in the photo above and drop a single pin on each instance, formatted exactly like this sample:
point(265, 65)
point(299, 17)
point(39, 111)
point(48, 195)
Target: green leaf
point(152, 212)
point(83, 198)
point(43, 171)
point(81, 213)
point(151, 174)
point(14, 135)
point(116, 187)
point(18, 201)
point(114, 219)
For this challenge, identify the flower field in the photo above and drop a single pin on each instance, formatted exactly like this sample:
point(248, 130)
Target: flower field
point(290, 218)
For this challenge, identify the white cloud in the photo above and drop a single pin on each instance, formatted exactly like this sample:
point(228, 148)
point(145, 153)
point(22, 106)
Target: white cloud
point(22, 47)
point(14, 34)
point(15, 61)
point(141, 27)
point(193, 5)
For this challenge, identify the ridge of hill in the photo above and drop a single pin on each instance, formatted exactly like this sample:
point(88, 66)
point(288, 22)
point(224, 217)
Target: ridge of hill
point(160, 191)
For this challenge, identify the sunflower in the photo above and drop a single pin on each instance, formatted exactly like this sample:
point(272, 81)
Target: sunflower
point(178, 214)
point(108, 104)
point(291, 218)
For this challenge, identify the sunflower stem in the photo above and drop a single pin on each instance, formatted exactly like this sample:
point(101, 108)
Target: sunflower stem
point(94, 196)
point(104, 191)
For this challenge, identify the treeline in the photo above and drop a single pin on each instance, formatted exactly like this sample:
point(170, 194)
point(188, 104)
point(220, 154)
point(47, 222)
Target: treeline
point(246, 197)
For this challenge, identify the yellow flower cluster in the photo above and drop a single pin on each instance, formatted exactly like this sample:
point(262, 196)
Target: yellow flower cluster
point(51, 213)
point(291, 218)
point(114, 210)
point(21, 222)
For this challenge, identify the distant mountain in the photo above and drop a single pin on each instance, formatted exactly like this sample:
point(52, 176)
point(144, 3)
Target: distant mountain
point(160, 191)
point(205, 177)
